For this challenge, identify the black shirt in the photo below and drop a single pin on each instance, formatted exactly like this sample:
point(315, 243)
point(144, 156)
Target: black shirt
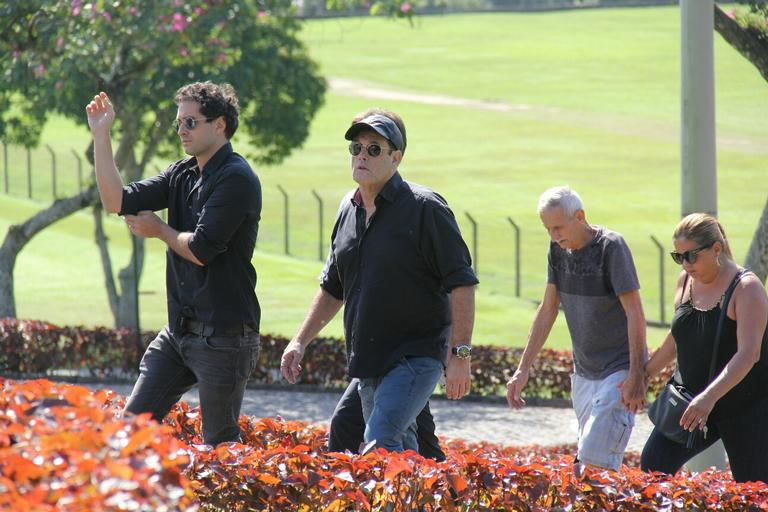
point(694, 332)
point(394, 275)
point(222, 210)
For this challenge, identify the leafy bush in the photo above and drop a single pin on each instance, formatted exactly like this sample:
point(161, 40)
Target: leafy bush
point(41, 349)
point(65, 448)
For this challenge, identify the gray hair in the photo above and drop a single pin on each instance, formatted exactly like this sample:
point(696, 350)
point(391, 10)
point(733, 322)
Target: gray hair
point(563, 197)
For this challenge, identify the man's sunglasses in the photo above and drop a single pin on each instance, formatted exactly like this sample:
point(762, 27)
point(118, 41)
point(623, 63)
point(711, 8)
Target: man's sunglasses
point(689, 256)
point(190, 123)
point(372, 149)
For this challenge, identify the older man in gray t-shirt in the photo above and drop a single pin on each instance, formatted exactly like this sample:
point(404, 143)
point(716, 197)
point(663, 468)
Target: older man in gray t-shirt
point(591, 273)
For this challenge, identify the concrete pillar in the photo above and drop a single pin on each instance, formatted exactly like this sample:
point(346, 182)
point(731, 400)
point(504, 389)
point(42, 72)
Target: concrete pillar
point(698, 174)
point(698, 166)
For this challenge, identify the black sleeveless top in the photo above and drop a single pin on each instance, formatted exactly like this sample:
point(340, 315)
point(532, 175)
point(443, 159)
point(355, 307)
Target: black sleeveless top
point(694, 332)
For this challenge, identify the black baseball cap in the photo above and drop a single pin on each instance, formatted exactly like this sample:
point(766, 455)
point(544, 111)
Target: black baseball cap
point(382, 125)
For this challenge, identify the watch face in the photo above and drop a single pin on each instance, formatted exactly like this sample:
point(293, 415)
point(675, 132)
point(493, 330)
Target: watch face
point(462, 351)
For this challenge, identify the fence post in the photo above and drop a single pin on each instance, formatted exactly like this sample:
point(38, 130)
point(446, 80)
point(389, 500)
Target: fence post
point(517, 255)
point(53, 170)
point(5, 164)
point(79, 171)
point(475, 255)
point(29, 173)
point(661, 277)
point(320, 227)
point(285, 219)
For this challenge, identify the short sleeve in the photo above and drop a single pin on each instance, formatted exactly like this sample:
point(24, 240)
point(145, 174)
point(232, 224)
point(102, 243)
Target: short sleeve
point(620, 266)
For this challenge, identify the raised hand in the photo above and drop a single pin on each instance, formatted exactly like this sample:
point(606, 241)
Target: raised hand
point(101, 113)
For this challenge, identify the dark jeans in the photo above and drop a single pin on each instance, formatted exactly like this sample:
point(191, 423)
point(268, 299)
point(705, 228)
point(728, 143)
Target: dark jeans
point(220, 365)
point(745, 438)
point(347, 426)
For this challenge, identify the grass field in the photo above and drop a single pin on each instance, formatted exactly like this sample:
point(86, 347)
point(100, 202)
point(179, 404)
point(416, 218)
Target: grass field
point(588, 98)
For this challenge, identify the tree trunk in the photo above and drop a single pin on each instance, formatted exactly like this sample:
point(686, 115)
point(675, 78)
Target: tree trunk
point(106, 262)
point(752, 44)
point(757, 257)
point(19, 234)
point(749, 42)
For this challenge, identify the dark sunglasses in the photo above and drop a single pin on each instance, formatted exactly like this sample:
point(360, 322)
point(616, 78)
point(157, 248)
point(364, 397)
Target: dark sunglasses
point(190, 123)
point(372, 149)
point(689, 256)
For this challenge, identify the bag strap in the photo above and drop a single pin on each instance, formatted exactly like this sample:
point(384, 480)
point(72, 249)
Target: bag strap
point(721, 320)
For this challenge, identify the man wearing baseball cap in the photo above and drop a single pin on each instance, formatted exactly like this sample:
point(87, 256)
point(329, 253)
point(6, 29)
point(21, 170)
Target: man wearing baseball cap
point(401, 269)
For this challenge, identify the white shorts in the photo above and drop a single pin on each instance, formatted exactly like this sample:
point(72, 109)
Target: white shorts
point(604, 423)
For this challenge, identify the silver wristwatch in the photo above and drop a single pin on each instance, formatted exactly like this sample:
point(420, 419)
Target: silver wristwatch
point(462, 351)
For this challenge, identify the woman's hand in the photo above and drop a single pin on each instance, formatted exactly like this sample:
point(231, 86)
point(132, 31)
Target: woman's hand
point(695, 416)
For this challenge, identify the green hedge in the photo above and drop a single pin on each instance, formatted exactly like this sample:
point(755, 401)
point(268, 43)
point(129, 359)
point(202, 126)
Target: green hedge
point(32, 348)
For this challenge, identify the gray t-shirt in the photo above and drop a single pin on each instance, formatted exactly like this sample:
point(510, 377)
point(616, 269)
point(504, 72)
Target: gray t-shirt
point(589, 282)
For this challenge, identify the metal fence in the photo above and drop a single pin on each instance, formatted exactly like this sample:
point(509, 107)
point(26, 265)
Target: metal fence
point(496, 245)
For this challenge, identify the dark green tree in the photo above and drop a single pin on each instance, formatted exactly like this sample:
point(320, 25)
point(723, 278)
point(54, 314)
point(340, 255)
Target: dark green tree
point(56, 54)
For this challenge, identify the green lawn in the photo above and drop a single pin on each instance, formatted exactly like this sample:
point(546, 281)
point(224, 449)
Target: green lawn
point(601, 88)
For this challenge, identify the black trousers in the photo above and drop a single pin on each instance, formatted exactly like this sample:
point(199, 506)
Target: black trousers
point(744, 436)
point(348, 426)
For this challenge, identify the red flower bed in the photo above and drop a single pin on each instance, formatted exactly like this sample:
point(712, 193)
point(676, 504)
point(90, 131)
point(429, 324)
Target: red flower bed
point(38, 348)
point(63, 447)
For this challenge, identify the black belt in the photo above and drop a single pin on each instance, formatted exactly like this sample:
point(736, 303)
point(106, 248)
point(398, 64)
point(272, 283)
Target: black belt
point(190, 325)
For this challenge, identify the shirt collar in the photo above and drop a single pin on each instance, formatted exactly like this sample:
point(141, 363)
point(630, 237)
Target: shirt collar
point(218, 159)
point(388, 192)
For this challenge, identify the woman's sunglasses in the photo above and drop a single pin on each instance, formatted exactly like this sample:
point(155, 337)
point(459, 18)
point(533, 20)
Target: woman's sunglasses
point(372, 149)
point(190, 123)
point(689, 256)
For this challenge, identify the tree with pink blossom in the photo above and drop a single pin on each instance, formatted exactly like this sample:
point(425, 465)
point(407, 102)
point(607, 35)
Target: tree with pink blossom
point(55, 54)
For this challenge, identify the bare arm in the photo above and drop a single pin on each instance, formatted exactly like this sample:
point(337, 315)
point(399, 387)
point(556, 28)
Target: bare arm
point(543, 321)
point(633, 388)
point(322, 310)
point(149, 225)
point(458, 371)
point(751, 308)
point(101, 116)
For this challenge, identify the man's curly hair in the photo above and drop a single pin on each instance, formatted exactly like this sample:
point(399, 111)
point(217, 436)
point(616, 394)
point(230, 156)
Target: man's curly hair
point(216, 100)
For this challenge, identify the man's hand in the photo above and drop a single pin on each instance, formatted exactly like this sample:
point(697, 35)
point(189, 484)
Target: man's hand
point(145, 224)
point(457, 377)
point(101, 114)
point(289, 363)
point(633, 390)
point(515, 387)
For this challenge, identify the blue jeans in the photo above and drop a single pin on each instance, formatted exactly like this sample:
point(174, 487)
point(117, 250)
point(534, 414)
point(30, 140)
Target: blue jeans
point(392, 402)
point(220, 365)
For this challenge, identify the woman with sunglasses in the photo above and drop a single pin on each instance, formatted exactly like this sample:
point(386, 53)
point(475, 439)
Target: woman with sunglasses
point(734, 405)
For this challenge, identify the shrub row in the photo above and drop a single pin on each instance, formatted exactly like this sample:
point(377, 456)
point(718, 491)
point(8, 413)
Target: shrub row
point(42, 349)
point(64, 448)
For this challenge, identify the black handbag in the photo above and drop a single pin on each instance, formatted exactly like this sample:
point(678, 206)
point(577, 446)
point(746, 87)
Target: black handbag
point(665, 412)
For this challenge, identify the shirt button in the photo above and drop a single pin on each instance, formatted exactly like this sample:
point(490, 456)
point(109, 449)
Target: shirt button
point(181, 283)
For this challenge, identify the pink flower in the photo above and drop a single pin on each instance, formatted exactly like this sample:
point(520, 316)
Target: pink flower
point(179, 22)
point(199, 11)
point(133, 10)
point(59, 42)
point(405, 8)
point(39, 70)
point(183, 52)
point(76, 7)
point(178, 3)
point(107, 16)
point(222, 58)
point(261, 15)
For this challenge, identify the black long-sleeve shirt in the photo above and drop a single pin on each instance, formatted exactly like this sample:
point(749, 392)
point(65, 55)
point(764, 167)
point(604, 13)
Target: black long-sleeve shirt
point(394, 275)
point(221, 209)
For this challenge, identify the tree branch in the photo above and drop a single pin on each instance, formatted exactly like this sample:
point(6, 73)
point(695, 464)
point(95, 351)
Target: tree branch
point(747, 41)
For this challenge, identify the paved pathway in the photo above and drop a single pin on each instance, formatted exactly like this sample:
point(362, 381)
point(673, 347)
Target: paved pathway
point(471, 421)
